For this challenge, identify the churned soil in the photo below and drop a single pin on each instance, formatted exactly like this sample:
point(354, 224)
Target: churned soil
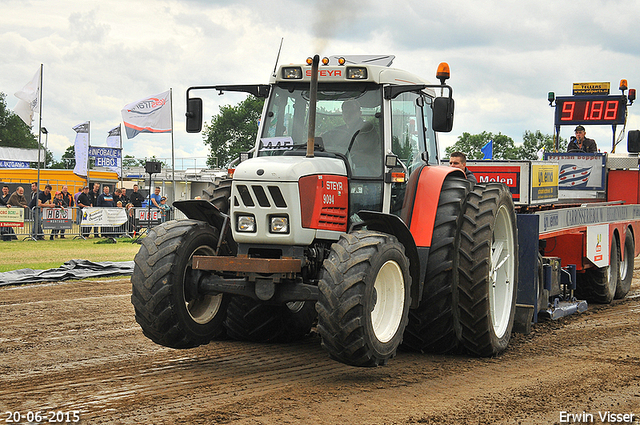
point(75, 346)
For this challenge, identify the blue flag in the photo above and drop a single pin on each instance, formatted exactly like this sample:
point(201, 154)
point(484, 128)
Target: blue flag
point(487, 150)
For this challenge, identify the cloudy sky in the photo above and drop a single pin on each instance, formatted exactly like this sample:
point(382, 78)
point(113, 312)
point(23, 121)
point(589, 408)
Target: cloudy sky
point(505, 56)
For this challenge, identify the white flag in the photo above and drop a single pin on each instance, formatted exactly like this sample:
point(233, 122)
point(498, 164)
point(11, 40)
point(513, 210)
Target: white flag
point(114, 140)
point(149, 115)
point(81, 148)
point(29, 99)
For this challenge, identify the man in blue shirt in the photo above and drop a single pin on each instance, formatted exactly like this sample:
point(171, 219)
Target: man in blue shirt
point(155, 198)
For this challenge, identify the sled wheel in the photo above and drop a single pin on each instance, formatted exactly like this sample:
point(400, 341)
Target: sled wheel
point(364, 301)
point(165, 294)
point(626, 267)
point(434, 325)
point(488, 270)
point(598, 284)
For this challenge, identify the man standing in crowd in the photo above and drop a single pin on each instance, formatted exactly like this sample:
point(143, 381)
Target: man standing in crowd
point(6, 232)
point(18, 200)
point(84, 201)
point(67, 202)
point(155, 198)
point(105, 200)
point(136, 197)
point(33, 211)
point(94, 203)
point(44, 201)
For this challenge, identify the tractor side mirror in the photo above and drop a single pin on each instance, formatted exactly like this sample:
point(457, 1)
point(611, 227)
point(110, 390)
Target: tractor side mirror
point(194, 115)
point(443, 114)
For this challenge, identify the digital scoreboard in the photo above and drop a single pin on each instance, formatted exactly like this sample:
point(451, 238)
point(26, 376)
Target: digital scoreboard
point(590, 110)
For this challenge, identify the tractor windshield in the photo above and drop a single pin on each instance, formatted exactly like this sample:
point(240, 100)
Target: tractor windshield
point(348, 123)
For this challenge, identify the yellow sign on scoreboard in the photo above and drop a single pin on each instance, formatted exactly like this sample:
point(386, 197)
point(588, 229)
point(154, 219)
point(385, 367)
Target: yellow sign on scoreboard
point(591, 88)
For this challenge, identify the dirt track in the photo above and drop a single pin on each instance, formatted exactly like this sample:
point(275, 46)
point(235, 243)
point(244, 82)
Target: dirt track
point(76, 346)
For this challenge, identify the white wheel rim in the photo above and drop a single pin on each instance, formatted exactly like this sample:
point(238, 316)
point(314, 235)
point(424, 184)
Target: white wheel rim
point(502, 272)
point(205, 307)
point(623, 265)
point(389, 301)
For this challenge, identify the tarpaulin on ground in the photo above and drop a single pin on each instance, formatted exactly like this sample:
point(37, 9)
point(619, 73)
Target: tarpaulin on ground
point(72, 269)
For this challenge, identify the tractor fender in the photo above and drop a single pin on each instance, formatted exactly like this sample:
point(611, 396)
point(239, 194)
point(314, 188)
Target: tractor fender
point(421, 200)
point(393, 225)
point(202, 210)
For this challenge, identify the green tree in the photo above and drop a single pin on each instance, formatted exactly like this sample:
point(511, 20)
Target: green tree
point(233, 130)
point(471, 145)
point(67, 161)
point(14, 133)
point(534, 142)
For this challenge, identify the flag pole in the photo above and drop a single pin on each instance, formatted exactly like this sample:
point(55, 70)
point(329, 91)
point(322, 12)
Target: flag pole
point(173, 158)
point(88, 146)
point(121, 160)
point(40, 125)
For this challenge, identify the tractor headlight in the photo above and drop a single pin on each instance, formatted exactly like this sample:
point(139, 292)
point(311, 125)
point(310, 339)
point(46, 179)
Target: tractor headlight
point(279, 224)
point(246, 223)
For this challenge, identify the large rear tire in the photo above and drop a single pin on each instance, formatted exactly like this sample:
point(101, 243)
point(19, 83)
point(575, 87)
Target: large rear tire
point(626, 267)
point(598, 284)
point(252, 320)
point(365, 294)
point(165, 294)
point(221, 195)
point(488, 270)
point(434, 326)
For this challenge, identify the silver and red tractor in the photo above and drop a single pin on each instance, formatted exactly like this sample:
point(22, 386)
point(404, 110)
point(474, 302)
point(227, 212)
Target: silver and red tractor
point(341, 220)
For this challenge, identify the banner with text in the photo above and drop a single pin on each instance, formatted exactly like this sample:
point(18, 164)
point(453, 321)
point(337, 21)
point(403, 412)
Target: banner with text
point(105, 157)
point(103, 217)
point(11, 217)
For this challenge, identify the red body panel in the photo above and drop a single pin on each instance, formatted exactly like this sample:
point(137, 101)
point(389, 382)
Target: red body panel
point(324, 202)
point(425, 204)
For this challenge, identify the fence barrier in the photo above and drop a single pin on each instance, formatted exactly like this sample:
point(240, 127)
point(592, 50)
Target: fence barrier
point(41, 223)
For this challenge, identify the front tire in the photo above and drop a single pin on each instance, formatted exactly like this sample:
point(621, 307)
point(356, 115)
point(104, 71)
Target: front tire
point(488, 270)
point(364, 301)
point(165, 296)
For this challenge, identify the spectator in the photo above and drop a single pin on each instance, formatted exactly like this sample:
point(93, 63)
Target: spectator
point(136, 197)
point(68, 203)
point(33, 211)
point(58, 202)
point(105, 200)
point(165, 209)
point(6, 232)
point(131, 219)
point(84, 201)
point(123, 196)
point(93, 195)
point(44, 201)
point(155, 198)
point(17, 198)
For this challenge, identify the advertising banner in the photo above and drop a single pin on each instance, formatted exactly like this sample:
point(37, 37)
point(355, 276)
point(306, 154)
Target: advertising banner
point(104, 217)
point(105, 157)
point(142, 215)
point(11, 217)
point(57, 218)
